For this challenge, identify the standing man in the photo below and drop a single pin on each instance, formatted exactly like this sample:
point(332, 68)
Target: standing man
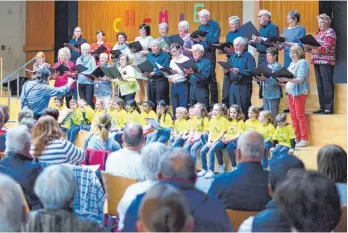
point(157, 85)
point(267, 30)
point(213, 29)
point(240, 76)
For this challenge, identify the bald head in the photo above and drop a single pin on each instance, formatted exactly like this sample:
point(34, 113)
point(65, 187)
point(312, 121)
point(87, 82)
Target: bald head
point(251, 147)
point(133, 134)
point(177, 163)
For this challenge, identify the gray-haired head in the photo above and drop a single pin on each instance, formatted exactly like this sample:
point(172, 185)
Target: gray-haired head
point(184, 24)
point(14, 136)
point(163, 25)
point(265, 12)
point(2, 117)
point(56, 187)
point(240, 41)
point(234, 19)
point(25, 113)
point(198, 47)
point(177, 163)
point(156, 42)
point(133, 134)
point(151, 156)
point(12, 205)
point(42, 76)
point(204, 12)
point(250, 146)
point(29, 123)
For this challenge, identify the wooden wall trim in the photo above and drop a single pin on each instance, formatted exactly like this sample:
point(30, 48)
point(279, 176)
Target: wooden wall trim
point(29, 48)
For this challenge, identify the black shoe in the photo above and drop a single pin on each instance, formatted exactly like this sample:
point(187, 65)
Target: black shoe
point(327, 112)
point(260, 108)
point(320, 111)
point(286, 110)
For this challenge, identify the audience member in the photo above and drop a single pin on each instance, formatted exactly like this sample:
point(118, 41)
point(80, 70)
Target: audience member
point(25, 113)
point(29, 123)
point(50, 147)
point(246, 187)
point(309, 201)
point(177, 168)
point(6, 111)
point(52, 112)
point(12, 213)
point(332, 162)
point(150, 161)
point(19, 164)
point(271, 219)
point(56, 188)
point(127, 161)
point(3, 131)
point(164, 209)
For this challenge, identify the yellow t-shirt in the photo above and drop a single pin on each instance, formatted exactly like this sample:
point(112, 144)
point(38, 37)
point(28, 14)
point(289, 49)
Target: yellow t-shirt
point(217, 126)
point(234, 128)
point(135, 117)
point(252, 125)
point(284, 134)
point(76, 118)
point(180, 125)
point(118, 118)
point(89, 113)
point(266, 130)
point(151, 114)
point(96, 115)
point(199, 125)
point(166, 121)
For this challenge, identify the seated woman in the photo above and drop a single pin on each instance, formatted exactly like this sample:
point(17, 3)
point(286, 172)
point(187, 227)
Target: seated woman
point(49, 145)
point(56, 188)
point(40, 62)
point(127, 84)
point(99, 138)
point(332, 162)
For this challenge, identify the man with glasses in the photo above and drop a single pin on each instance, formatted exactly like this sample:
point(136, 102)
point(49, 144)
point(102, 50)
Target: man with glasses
point(213, 29)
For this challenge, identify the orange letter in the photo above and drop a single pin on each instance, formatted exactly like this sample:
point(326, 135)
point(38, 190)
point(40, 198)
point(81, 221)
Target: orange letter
point(130, 17)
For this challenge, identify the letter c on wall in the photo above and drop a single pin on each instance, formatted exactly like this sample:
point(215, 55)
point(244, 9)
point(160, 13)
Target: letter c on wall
point(117, 20)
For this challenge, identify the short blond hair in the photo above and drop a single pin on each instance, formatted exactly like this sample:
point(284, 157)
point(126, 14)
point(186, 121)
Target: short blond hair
point(325, 18)
point(298, 50)
point(40, 55)
point(64, 52)
point(182, 110)
point(104, 56)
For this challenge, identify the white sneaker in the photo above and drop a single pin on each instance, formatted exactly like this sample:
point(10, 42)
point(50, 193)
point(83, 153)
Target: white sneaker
point(202, 173)
point(302, 143)
point(222, 168)
point(209, 175)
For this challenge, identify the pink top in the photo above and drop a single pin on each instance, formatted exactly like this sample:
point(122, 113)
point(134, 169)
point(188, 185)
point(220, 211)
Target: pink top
point(326, 55)
point(62, 80)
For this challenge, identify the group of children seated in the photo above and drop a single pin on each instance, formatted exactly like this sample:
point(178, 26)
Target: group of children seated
point(193, 129)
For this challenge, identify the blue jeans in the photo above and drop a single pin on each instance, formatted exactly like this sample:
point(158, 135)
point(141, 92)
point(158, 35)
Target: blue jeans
point(161, 135)
point(280, 150)
point(176, 142)
point(211, 153)
point(192, 149)
point(268, 145)
point(179, 95)
point(230, 147)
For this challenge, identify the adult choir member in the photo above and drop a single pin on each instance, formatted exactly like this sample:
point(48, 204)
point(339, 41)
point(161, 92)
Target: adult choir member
point(77, 41)
point(40, 62)
point(100, 41)
point(122, 45)
point(183, 28)
point(163, 31)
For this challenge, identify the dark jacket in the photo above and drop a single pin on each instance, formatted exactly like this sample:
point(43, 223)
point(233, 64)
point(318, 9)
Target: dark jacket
point(270, 220)
point(246, 188)
point(208, 212)
point(24, 171)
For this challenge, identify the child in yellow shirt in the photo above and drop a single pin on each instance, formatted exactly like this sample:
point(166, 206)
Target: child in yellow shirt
point(64, 112)
point(283, 137)
point(234, 128)
point(252, 123)
point(180, 127)
point(191, 116)
point(134, 113)
point(165, 119)
point(217, 128)
point(266, 128)
point(99, 109)
point(118, 114)
point(148, 111)
point(199, 125)
point(76, 120)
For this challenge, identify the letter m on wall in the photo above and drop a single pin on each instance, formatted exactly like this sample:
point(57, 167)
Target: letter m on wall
point(163, 17)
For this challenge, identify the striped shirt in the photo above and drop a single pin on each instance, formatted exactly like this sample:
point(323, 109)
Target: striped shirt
point(59, 151)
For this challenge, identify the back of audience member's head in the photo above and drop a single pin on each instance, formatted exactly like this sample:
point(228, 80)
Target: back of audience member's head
point(133, 135)
point(52, 112)
point(12, 211)
point(309, 201)
point(250, 147)
point(332, 162)
point(2, 118)
point(6, 111)
point(103, 125)
point(25, 113)
point(56, 187)
point(29, 123)
point(164, 209)
point(151, 156)
point(278, 167)
point(45, 131)
point(18, 140)
point(177, 164)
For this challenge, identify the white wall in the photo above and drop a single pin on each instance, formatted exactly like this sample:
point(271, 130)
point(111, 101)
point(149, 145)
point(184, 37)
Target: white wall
point(12, 34)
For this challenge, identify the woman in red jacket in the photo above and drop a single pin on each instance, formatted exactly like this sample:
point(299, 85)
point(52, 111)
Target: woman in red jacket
point(100, 41)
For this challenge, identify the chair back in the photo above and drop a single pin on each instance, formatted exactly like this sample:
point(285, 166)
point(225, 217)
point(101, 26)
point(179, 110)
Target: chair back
point(96, 157)
point(115, 186)
point(80, 138)
point(237, 217)
point(342, 225)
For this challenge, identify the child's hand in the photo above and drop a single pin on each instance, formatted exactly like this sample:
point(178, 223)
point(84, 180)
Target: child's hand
point(291, 151)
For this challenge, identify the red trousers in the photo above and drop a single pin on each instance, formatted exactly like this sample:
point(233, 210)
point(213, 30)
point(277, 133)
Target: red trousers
point(297, 112)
